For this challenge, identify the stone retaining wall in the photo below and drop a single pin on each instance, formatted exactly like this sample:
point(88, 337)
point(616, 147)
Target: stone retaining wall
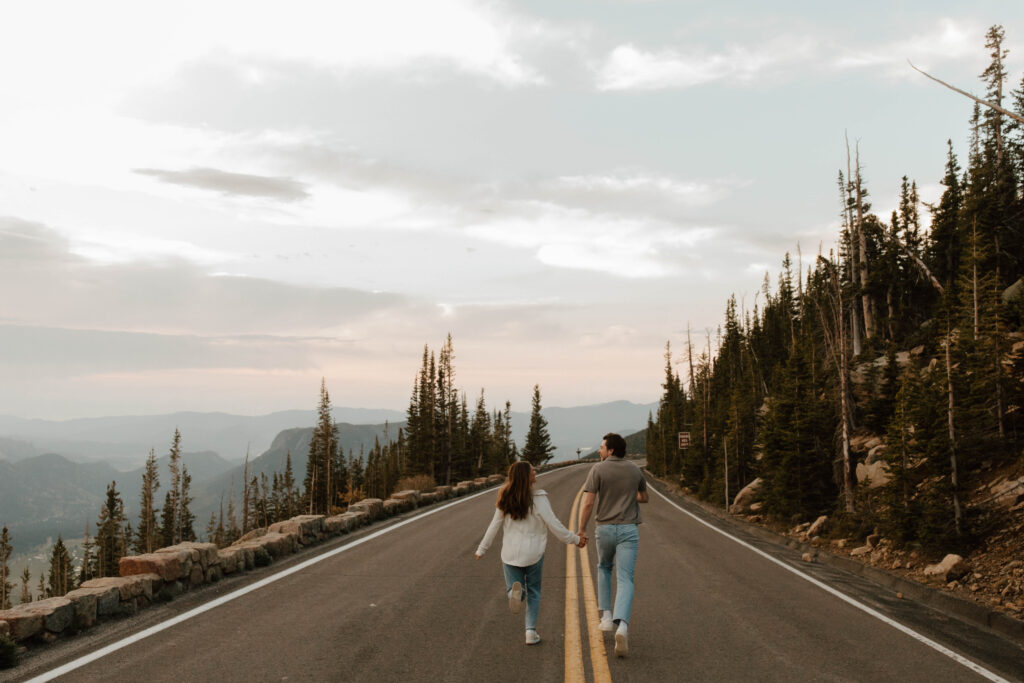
point(169, 572)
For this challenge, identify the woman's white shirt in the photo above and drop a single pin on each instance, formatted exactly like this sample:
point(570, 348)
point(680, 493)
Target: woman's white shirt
point(524, 540)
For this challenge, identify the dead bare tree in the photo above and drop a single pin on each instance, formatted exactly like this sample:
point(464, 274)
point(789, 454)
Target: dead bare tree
point(834, 328)
point(992, 105)
point(951, 402)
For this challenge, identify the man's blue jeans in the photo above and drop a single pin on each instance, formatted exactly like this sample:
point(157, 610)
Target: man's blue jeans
point(529, 577)
point(616, 544)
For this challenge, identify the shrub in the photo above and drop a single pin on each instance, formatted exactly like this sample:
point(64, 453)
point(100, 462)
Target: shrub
point(423, 483)
point(8, 653)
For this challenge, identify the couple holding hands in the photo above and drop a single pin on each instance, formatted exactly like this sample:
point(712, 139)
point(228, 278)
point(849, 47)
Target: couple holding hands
point(525, 516)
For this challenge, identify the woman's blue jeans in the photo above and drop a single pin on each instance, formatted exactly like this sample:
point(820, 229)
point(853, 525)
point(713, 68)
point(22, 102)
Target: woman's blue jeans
point(616, 545)
point(529, 577)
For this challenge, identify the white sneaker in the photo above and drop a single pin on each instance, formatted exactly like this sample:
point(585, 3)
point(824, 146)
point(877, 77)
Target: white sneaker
point(531, 637)
point(607, 624)
point(622, 640)
point(515, 598)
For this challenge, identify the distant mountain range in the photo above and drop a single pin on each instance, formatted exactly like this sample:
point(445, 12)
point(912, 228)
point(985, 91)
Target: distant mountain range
point(46, 495)
point(123, 442)
point(53, 475)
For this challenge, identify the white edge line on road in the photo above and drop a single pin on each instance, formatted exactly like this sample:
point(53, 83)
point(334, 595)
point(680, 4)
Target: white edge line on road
point(977, 668)
point(113, 647)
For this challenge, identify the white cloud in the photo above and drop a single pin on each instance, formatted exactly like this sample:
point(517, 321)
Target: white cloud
point(689, 193)
point(948, 40)
point(577, 239)
point(628, 67)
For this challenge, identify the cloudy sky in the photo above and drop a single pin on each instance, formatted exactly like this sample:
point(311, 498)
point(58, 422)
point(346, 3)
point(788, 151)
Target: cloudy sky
point(210, 206)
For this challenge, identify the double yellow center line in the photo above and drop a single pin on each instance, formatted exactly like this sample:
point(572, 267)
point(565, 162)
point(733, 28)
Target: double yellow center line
point(574, 671)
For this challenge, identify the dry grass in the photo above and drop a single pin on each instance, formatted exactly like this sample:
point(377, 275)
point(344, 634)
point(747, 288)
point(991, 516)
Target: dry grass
point(423, 483)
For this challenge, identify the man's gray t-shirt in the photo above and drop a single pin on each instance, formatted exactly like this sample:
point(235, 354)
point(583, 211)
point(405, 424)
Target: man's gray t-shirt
point(616, 482)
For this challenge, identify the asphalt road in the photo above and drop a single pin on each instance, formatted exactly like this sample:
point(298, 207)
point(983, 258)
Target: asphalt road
point(407, 601)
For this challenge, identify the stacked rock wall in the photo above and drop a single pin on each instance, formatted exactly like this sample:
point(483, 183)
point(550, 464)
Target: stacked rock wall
point(169, 572)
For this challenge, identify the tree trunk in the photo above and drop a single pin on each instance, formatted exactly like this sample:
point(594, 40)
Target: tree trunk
point(954, 477)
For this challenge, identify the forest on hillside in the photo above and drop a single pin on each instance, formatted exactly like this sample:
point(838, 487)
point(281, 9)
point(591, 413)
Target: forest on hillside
point(910, 334)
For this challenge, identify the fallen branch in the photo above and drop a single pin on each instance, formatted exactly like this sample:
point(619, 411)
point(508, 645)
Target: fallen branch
point(992, 105)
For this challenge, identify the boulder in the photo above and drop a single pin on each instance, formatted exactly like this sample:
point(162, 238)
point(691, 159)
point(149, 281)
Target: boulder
point(394, 507)
point(128, 587)
point(168, 566)
point(107, 598)
point(232, 559)
point(462, 488)
point(480, 482)
point(875, 454)
point(409, 494)
point(203, 553)
point(495, 479)
point(58, 613)
point(747, 496)
point(876, 474)
point(817, 526)
point(85, 602)
point(5, 629)
point(428, 498)
point(21, 623)
point(275, 544)
point(374, 507)
point(185, 558)
point(197, 575)
point(308, 529)
point(342, 524)
point(863, 550)
point(357, 519)
point(951, 568)
point(248, 536)
point(443, 492)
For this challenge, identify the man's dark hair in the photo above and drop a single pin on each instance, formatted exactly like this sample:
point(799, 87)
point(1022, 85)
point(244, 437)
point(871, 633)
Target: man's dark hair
point(616, 444)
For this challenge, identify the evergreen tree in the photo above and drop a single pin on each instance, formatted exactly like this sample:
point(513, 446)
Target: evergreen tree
point(538, 449)
point(26, 592)
point(168, 521)
point(321, 483)
point(88, 569)
point(62, 577)
point(173, 533)
point(186, 519)
point(111, 544)
point(147, 539)
point(6, 588)
point(291, 495)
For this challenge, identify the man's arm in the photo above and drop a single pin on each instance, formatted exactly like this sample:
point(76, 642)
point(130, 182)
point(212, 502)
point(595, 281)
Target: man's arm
point(585, 510)
point(642, 497)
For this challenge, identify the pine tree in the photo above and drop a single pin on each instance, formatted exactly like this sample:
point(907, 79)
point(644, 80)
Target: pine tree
point(62, 577)
point(291, 495)
point(26, 592)
point(321, 483)
point(88, 568)
point(172, 534)
point(146, 539)
point(186, 519)
point(6, 588)
point(111, 544)
point(168, 521)
point(538, 449)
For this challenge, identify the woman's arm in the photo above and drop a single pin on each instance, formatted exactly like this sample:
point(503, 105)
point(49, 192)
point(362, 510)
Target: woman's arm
point(543, 507)
point(492, 530)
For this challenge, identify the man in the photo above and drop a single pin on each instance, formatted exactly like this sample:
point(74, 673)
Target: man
point(619, 486)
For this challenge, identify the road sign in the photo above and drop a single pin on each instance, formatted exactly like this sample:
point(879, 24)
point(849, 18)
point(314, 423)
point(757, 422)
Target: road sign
point(684, 440)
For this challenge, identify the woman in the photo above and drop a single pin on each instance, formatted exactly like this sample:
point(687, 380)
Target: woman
point(525, 515)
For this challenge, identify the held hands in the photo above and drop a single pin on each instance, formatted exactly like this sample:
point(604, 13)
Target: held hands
point(583, 540)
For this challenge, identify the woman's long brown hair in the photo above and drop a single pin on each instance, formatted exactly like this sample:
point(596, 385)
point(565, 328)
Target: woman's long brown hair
point(515, 498)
